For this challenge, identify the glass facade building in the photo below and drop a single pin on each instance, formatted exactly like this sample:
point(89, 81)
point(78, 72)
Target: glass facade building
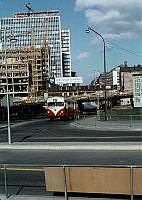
point(40, 29)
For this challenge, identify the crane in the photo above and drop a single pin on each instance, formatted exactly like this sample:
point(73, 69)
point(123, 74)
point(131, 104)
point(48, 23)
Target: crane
point(28, 6)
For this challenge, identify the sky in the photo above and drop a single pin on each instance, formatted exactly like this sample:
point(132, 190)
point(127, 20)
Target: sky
point(118, 21)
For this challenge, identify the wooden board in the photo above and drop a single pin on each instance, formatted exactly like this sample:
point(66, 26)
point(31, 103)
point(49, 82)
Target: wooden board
point(89, 180)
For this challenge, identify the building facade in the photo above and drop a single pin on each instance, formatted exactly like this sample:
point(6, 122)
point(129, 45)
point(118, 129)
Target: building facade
point(137, 90)
point(126, 77)
point(66, 52)
point(26, 76)
point(38, 32)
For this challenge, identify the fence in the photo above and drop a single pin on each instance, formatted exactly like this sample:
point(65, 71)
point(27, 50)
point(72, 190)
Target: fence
point(112, 179)
point(113, 121)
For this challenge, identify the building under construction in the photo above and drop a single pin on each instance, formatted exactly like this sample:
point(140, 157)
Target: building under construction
point(41, 50)
point(27, 72)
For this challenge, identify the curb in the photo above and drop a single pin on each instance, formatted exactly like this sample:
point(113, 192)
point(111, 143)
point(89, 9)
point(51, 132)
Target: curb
point(74, 146)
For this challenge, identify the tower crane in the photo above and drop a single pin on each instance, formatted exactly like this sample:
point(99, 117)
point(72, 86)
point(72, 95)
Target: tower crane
point(28, 6)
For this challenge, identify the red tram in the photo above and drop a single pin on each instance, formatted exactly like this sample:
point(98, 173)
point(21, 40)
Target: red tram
point(59, 107)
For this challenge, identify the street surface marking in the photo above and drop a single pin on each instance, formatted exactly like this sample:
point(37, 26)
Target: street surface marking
point(111, 137)
point(22, 169)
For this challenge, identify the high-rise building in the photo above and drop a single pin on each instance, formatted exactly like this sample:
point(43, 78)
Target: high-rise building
point(39, 30)
point(66, 52)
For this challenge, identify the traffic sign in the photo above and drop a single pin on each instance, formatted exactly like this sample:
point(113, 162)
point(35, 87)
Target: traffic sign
point(4, 101)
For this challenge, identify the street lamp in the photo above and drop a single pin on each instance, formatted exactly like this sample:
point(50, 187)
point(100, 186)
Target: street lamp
point(88, 31)
point(7, 91)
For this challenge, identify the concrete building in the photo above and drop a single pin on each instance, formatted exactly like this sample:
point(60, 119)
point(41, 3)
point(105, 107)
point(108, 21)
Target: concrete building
point(114, 76)
point(126, 77)
point(121, 77)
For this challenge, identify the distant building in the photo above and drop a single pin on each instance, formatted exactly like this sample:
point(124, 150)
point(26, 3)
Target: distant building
point(137, 90)
point(66, 52)
point(126, 77)
point(120, 76)
point(114, 76)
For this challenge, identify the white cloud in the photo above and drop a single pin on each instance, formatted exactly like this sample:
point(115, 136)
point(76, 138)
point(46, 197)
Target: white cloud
point(82, 55)
point(115, 19)
point(95, 16)
point(83, 4)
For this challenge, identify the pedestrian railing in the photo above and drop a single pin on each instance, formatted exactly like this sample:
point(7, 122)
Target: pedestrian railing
point(112, 121)
point(102, 179)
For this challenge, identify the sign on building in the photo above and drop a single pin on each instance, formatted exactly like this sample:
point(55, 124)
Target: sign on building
point(67, 80)
point(137, 90)
point(51, 81)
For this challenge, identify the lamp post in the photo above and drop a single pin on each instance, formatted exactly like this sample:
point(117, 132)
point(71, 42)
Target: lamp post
point(7, 91)
point(88, 31)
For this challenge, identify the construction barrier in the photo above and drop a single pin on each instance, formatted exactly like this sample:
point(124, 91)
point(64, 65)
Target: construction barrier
point(106, 180)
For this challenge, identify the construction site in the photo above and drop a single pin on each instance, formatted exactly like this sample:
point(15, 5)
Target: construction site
point(27, 72)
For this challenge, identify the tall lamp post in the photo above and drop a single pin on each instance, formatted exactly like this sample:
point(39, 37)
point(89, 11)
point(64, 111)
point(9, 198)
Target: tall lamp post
point(7, 91)
point(88, 31)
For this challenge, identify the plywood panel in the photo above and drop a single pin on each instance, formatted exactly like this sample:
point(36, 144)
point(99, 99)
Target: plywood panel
point(54, 179)
point(99, 180)
point(89, 180)
point(137, 181)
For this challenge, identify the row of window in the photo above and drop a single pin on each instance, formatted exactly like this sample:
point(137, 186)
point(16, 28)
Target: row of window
point(29, 19)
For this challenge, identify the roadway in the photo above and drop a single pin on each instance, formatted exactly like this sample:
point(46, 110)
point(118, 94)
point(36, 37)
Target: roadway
point(43, 130)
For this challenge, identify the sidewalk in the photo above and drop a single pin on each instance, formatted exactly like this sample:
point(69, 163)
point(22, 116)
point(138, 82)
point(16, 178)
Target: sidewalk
point(23, 197)
point(120, 125)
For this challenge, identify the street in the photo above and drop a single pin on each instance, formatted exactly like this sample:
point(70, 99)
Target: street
point(68, 157)
point(43, 130)
point(25, 168)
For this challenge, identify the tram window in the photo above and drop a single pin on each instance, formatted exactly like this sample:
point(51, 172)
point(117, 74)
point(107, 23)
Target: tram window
point(55, 104)
point(59, 104)
point(51, 104)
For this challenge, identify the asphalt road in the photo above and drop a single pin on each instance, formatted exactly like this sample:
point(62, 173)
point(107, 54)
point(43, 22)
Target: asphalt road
point(68, 157)
point(44, 130)
point(25, 167)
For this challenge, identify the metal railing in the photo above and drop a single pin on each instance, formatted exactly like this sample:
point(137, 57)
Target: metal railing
point(5, 168)
point(124, 121)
